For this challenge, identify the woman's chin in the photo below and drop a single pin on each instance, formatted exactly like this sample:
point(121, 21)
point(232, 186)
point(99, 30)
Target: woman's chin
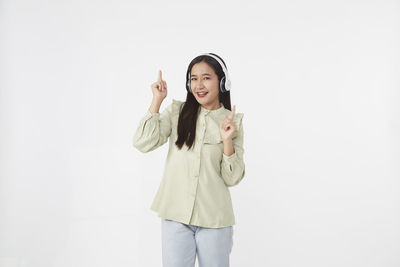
point(201, 100)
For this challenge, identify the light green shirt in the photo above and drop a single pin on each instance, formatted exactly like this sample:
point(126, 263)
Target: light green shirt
point(195, 185)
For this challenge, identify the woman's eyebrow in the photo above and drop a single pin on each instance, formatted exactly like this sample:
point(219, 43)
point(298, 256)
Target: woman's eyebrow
point(204, 74)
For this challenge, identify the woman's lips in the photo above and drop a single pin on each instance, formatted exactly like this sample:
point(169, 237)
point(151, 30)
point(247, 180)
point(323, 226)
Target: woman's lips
point(199, 95)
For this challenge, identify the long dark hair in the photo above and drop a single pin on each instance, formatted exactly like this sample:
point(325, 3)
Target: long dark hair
point(188, 115)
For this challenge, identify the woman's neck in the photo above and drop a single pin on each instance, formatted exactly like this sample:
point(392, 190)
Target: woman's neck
point(213, 106)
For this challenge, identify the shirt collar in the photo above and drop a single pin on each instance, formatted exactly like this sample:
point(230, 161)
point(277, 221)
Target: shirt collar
point(217, 111)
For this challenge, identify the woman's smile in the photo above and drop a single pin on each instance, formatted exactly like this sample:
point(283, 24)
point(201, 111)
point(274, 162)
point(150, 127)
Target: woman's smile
point(202, 94)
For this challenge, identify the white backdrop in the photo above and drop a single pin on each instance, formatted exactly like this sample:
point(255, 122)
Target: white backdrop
point(318, 82)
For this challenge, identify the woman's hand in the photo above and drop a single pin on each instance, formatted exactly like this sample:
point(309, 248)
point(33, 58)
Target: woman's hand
point(227, 126)
point(159, 88)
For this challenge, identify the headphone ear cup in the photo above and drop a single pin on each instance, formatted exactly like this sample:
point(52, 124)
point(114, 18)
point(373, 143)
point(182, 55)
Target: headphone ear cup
point(188, 86)
point(222, 85)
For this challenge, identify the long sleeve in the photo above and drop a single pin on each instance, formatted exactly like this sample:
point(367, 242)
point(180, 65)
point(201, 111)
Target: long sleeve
point(233, 167)
point(153, 130)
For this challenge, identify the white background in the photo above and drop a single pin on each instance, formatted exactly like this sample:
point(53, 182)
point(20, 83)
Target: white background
point(318, 82)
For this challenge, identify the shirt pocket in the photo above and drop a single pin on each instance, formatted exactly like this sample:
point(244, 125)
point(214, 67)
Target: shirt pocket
point(212, 150)
point(213, 146)
point(212, 137)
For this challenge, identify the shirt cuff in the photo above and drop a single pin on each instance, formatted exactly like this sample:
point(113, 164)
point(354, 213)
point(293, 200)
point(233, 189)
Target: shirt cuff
point(150, 114)
point(231, 157)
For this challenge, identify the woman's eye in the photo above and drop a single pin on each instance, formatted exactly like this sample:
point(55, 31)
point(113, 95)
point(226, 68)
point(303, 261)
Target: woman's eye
point(204, 78)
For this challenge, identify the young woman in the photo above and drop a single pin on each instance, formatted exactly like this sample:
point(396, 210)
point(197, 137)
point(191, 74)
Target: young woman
point(205, 158)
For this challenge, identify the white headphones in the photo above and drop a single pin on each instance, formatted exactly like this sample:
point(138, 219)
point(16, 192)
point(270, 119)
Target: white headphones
point(224, 84)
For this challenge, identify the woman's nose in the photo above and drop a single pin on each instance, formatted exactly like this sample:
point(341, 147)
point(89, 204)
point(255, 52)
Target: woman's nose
point(198, 84)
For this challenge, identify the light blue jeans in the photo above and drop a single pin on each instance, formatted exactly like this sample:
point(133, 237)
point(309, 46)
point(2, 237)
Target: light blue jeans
point(181, 242)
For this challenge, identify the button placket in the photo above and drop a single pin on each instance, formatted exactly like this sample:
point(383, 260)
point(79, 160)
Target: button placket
point(197, 162)
point(199, 147)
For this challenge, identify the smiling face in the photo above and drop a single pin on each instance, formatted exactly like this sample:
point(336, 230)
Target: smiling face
point(205, 85)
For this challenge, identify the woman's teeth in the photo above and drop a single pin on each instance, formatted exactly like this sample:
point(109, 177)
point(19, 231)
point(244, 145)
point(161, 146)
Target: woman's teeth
point(202, 94)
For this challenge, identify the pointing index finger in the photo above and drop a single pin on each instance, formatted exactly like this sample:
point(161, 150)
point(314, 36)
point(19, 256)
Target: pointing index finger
point(159, 75)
